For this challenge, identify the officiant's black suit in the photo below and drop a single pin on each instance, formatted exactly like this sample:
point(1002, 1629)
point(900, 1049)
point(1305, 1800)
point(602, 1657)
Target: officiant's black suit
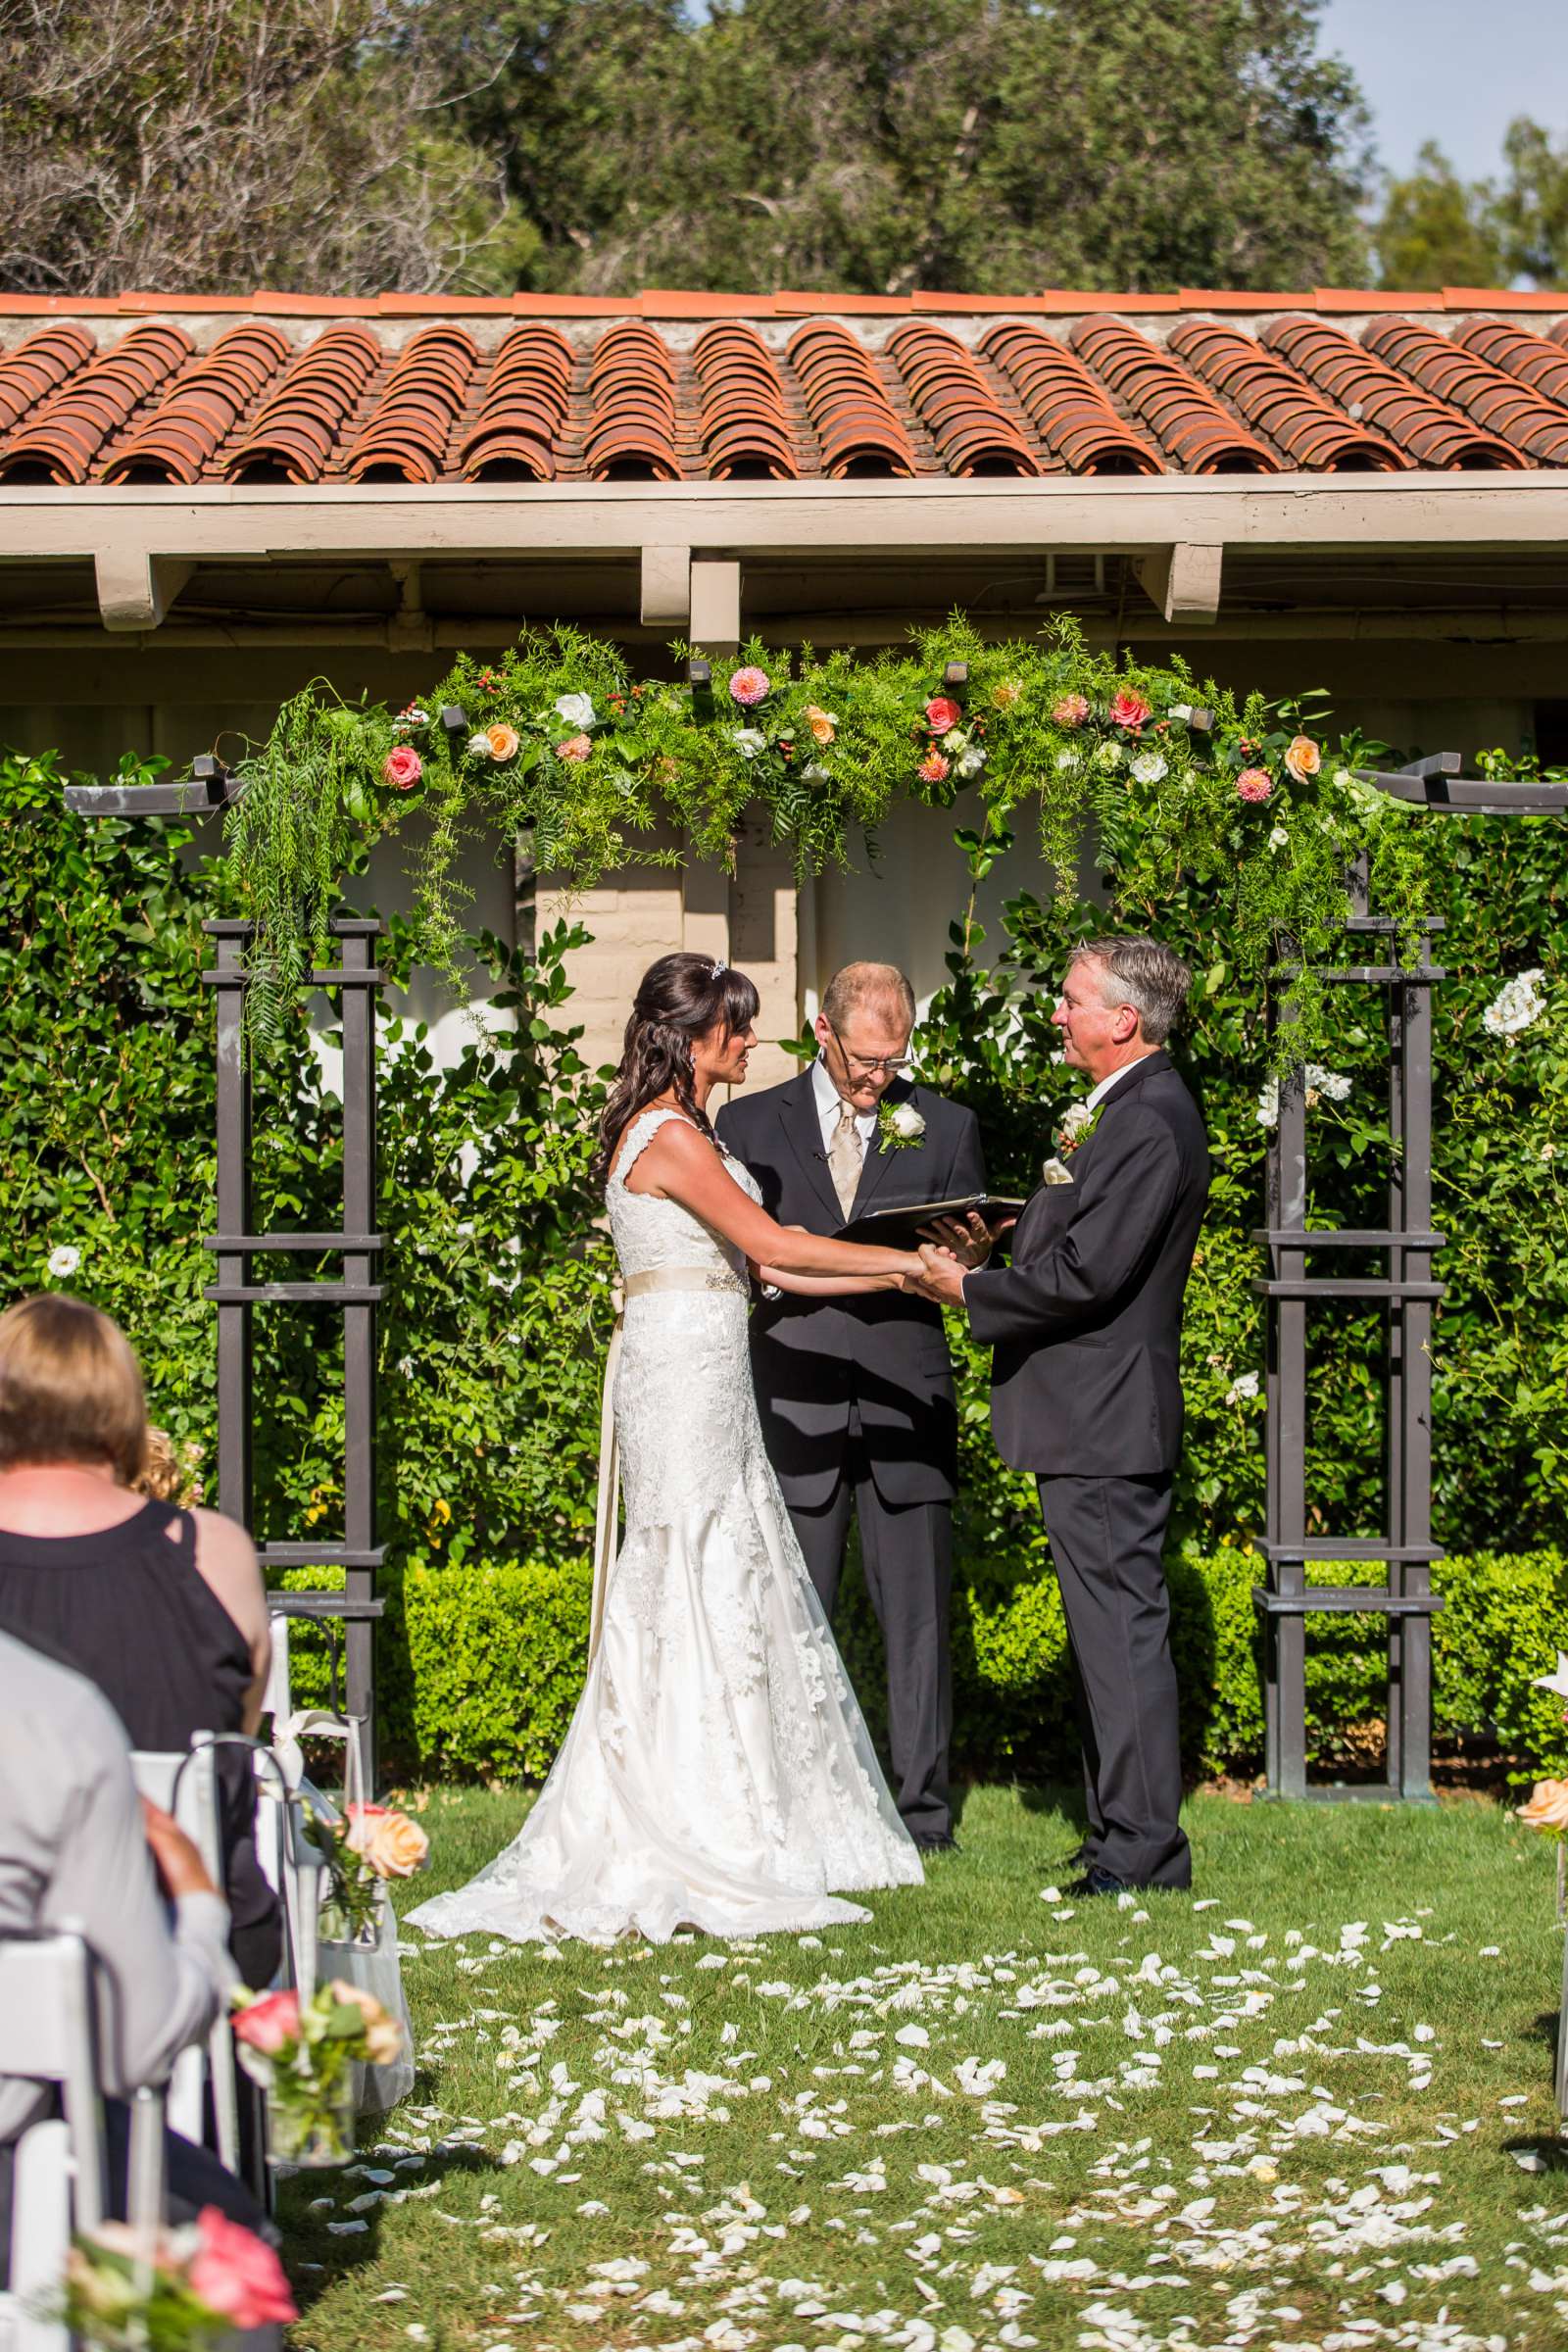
point(1086, 1392)
point(857, 1403)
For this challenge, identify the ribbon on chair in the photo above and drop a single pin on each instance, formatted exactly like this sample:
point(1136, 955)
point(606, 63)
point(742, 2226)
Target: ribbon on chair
point(607, 1507)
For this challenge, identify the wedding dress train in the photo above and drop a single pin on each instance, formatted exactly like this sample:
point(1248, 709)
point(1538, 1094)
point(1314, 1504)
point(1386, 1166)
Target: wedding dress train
point(718, 1773)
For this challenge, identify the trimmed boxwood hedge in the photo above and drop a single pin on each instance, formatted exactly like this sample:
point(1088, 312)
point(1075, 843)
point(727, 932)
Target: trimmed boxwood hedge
point(481, 1663)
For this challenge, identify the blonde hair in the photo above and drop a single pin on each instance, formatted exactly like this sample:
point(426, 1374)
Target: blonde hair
point(69, 1388)
point(169, 1473)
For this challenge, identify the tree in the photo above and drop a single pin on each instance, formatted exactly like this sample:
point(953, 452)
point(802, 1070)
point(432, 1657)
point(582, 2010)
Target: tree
point(987, 145)
point(211, 145)
point(1438, 230)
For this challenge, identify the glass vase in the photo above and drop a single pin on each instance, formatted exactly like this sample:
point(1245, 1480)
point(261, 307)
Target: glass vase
point(311, 2139)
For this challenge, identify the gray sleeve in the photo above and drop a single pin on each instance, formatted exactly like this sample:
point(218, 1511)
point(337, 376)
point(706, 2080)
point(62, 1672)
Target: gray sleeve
point(158, 1991)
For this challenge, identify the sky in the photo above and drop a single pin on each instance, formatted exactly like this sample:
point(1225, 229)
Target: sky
point(1454, 71)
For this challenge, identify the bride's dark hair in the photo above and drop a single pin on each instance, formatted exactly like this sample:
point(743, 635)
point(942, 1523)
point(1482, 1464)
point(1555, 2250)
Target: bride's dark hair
point(679, 999)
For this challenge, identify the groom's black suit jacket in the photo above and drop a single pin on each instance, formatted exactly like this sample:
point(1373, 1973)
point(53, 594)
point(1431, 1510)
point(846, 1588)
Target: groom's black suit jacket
point(884, 1352)
point(1087, 1320)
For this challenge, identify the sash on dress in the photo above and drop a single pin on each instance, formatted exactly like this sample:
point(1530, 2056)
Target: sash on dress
point(607, 1510)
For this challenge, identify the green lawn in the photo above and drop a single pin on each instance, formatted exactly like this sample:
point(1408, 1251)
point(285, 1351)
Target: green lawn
point(1288, 2112)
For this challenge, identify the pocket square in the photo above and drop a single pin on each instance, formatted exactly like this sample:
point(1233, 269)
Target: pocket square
point(1056, 1171)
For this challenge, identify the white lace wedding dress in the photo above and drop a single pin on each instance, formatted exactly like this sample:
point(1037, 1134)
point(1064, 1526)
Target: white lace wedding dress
point(717, 1774)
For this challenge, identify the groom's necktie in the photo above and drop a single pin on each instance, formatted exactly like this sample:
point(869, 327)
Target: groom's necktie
point(844, 1156)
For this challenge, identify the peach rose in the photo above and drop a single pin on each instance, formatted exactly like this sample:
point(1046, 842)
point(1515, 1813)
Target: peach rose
point(233, 2273)
point(1547, 1808)
point(822, 724)
point(503, 741)
point(1303, 758)
point(934, 769)
point(575, 747)
point(402, 768)
point(383, 2035)
point(940, 713)
point(269, 2022)
point(1254, 784)
point(394, 1846)
point(1071, 711)
point(1129, 709)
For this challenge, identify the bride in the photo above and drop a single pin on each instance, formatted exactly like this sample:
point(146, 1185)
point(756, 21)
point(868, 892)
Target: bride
point(717, 1774)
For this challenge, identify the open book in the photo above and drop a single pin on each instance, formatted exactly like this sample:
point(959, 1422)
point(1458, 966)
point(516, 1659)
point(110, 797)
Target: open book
point(901, 1228)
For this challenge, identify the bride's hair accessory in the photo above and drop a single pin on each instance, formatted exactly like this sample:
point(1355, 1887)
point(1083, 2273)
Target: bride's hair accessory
point(719, 965)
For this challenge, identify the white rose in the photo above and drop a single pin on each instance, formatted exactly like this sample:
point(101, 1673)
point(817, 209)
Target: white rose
point(575, 709)
point(749, 740)
point(1327, 1082)
point(479, 746)
point(1244, 1385)
point(1148, 767)
point(954, 739)
point(1269, 1103)
point(1181, 710)
point(1517, 1006)
point(906, 1122)
point(64, 1261)
point(1278, 839)
point(971, 761)
point(1075, 1118)
point(813, 772)
point(1109, 754)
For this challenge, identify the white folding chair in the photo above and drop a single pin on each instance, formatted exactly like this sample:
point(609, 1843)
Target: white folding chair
point(292, 1865)
point(48, 2035)
point(186, 1786)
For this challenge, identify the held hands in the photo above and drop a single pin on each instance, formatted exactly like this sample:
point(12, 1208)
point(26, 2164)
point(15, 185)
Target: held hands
point(937, 1275)
point(967, 1238)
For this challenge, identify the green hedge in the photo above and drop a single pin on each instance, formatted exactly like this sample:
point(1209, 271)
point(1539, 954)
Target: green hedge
point(480, 1663)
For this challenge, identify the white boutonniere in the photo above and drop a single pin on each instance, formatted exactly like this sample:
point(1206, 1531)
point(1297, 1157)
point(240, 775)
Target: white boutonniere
point(1077, 1126)
point(900, 1127)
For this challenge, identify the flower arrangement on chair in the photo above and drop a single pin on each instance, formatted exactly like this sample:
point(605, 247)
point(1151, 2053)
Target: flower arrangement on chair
point(363, 1848)
point(303, 2053)
point(184, 2290)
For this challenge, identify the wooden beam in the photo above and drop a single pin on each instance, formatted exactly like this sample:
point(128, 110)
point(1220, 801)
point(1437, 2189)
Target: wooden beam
point(135, 588)
point(716, 607)
point(1183, 580)
point(667, 586)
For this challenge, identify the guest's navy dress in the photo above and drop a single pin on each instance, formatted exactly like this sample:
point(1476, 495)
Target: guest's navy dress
point(130, 1609)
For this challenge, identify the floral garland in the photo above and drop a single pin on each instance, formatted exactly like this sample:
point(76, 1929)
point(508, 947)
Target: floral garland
point(557, 741)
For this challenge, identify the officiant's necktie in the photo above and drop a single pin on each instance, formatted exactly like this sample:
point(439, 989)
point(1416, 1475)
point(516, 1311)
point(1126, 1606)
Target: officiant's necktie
point(844, 1156)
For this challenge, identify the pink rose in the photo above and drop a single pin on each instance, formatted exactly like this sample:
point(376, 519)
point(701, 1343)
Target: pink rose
point(1254, 784)
point(934, 768)
point(748, 686)
point(940, 713)
point(234, 2273)
point(402, 768)
point(269, 2022)
point(575, 747)
point(1071, 711)
point(1129, 709)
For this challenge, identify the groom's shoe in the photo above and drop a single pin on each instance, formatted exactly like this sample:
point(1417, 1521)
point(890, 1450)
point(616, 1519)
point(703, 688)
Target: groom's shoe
point(936, 1842)
point(1096, 1881)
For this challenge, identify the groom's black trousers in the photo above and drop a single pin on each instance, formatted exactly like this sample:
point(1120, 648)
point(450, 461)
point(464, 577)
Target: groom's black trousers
point(906, 1555)
point(1107, 1539)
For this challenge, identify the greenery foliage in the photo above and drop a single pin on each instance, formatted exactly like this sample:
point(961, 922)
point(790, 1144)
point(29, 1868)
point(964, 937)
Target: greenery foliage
point(1171, 783)
point(1438, 230)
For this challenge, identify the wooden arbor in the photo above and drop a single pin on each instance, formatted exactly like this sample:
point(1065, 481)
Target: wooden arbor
point(1406, 1245)
point(354, 1295)
point(1405, 1288)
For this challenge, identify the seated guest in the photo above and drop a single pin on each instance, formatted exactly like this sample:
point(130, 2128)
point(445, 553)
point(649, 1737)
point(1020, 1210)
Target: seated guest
point(79, 1849)
point(163, 1608)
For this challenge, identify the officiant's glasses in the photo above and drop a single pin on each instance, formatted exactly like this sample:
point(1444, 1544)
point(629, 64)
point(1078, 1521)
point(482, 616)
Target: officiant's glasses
point(866, 1066)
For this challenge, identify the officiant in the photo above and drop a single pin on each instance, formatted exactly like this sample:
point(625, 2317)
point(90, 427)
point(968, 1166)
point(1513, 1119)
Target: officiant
point(855, 1393)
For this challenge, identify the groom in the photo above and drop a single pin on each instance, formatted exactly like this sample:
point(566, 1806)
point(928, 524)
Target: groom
point(855, 1393)
point(1086, 1386)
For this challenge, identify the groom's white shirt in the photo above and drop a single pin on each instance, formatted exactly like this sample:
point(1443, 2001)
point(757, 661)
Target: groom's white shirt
point(829, 1101)
point(1096, 1094)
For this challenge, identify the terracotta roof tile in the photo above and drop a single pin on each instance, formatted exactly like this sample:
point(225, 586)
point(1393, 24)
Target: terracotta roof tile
point(745, 423)
point(1193, 427)
point(972, 432)
point(59, 441)
point(1307, 429)
point(1370, 390)
point(1070, 408)
point(857, 424)
point(1534, 359)
point(1470, 381)
point(671, 386)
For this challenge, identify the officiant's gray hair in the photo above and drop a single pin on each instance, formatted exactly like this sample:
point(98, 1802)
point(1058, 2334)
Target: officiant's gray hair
point(1152, 979)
